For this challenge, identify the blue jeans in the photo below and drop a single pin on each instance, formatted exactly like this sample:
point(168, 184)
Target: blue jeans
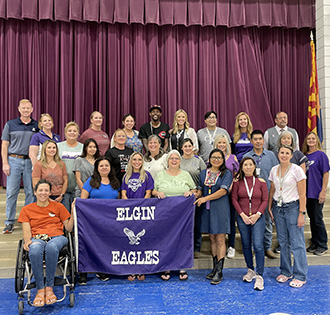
point(197, 229)
point(39, 249)
point(291, 238)
point(253, 234)
point(231, 236)
point(18, 167)
point(268, 235)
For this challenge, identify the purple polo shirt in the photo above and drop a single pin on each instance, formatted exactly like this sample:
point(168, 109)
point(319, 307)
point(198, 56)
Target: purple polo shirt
point(40, 137)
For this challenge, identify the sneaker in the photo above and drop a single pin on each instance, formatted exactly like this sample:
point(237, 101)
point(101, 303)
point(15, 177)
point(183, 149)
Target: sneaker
point(103, 276)
point(82, 278)
point(231, 252)
point(311, 249)
point(270, 254)
point(259, 284)
point(8, 229)
point(251, 274)
point(320, 251)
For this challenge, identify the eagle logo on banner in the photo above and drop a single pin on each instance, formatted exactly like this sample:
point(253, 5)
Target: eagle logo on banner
point(134, 239)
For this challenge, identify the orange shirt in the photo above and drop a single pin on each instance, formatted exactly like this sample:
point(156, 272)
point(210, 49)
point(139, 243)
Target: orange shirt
point(45, 220)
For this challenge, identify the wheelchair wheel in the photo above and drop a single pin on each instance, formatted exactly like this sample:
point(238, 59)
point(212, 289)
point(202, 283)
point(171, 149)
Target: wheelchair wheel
point(20, 307)
point(72, 299)
point(20, 267)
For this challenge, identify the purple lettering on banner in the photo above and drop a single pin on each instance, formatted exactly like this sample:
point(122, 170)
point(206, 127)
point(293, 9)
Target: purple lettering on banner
point(135, 236)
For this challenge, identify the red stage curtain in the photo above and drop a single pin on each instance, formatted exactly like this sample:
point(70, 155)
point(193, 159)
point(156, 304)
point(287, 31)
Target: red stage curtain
point(230, 13)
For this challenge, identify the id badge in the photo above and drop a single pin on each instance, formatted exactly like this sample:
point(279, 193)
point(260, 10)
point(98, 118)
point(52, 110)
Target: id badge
point(258, 171)
point(208, 205)
point(279, 201)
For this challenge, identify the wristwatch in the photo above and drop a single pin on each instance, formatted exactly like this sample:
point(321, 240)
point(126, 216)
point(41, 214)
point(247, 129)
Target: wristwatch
point(260, 214)
point(303, 212)
point(62, 195)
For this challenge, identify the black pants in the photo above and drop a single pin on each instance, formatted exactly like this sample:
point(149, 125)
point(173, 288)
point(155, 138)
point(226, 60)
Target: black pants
point(319, 232)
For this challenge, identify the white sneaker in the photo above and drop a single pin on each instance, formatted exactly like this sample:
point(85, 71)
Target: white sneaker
point(231, 252)
point(259, 284)
point(251, 274)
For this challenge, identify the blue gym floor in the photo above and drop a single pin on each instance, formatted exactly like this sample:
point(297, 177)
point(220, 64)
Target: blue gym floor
point(195, 296)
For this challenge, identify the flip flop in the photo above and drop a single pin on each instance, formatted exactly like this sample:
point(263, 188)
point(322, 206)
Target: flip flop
point(295, 283)
point(283, 278)
point(183, 276)
point(141, 277)
point(50, 297)
point(165, 276)
point(39, 298)
point(131, 277)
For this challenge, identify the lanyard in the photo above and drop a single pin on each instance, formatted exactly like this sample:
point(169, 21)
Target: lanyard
point(281, 179)
point(258, 160)
point(249, 193)
point(213, 136)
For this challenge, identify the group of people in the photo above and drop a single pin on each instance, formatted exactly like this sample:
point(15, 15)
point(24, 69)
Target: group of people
point(252, 178)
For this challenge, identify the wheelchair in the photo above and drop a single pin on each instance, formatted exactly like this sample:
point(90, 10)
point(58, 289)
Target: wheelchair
point(66, 267)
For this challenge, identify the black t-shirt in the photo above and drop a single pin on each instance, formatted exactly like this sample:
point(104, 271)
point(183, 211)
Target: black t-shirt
point(119, 160)
point(162, 132)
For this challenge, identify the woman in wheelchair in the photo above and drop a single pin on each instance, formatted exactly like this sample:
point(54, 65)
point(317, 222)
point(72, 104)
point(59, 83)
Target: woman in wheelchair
point(42, 224)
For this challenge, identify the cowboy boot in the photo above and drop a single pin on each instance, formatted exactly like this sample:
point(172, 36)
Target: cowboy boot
point(212, 273)
point(218, 276)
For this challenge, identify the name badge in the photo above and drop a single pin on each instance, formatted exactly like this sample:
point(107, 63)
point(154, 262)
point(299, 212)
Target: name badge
point(258, 171)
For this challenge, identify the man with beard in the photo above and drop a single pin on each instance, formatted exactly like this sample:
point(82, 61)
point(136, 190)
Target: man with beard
point(155, 127)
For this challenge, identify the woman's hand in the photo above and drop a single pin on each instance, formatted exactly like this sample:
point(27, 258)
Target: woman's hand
point(199, 201)
point(245, 218)
point(271, 214)
point(254, 218)
point(301, 220)
point(27, 244)
point(160, 195)
point(59, 199)
point(322, 196)
point(188, 193)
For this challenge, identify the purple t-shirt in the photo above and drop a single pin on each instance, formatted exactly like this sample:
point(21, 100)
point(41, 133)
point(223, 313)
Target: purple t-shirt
point(232, 164)
point(317, 165)
point(136, 189)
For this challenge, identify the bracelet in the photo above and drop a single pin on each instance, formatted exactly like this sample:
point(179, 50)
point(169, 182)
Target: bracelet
point(260, 214)
point(302, 212)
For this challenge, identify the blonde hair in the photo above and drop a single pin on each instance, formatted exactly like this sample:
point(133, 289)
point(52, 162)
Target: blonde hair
point(43, 156)
point(71, 124)
point(217, 140)
point(175, 127)
point(41, 117)
point(305, 147)
point(237, 132)
point(129, 169)
point(92, 115)
point(24, 100)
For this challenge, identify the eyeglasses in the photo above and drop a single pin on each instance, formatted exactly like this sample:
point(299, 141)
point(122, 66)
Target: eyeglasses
point(174, 158)
point(211, 117)
point(216, 158)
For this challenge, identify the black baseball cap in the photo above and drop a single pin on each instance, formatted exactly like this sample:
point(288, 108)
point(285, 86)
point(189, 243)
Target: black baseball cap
point(155, 107)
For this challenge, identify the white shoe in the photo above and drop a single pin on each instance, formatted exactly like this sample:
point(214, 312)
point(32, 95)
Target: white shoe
point(231, 252)
point(251, 274)
point(259, 284)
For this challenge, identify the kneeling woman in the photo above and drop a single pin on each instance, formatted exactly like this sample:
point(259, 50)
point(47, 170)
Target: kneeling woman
point(214, 184)
point(103, 184)
point(250, 199)
point(287, 199)
point(173, 182)
point(42, 224)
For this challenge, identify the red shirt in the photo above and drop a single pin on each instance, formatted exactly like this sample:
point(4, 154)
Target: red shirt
point(240, 198)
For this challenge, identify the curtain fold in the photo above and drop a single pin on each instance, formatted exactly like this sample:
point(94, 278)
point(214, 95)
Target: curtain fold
point(230, 13)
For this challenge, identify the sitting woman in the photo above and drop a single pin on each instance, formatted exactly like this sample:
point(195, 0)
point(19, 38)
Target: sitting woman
point(51, 167)
point(42, 224)
point(214, 184)
point(137, 183)
point(103, 184)
point(173, 182)
point(84, 164)
point(250, 199)
point(287, 205)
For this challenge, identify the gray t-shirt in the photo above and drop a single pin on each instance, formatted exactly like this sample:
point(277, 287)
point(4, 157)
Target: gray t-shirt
point(68, 156)
point(193, 166)
point(86, 170)
point(206, 139)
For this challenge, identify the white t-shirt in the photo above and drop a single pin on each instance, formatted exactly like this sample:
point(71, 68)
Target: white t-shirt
point(289, 188)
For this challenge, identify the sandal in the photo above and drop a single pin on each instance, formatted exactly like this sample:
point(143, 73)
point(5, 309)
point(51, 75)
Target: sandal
point(183, 276)
point(50, 296)
point(283, 278)
point(131, 277)
point(141, 277)
point(165, 276)
point(295, 283)
point(39, 300)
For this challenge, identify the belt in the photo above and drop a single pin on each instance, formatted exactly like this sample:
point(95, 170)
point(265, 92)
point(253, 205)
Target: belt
point(24, 157)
